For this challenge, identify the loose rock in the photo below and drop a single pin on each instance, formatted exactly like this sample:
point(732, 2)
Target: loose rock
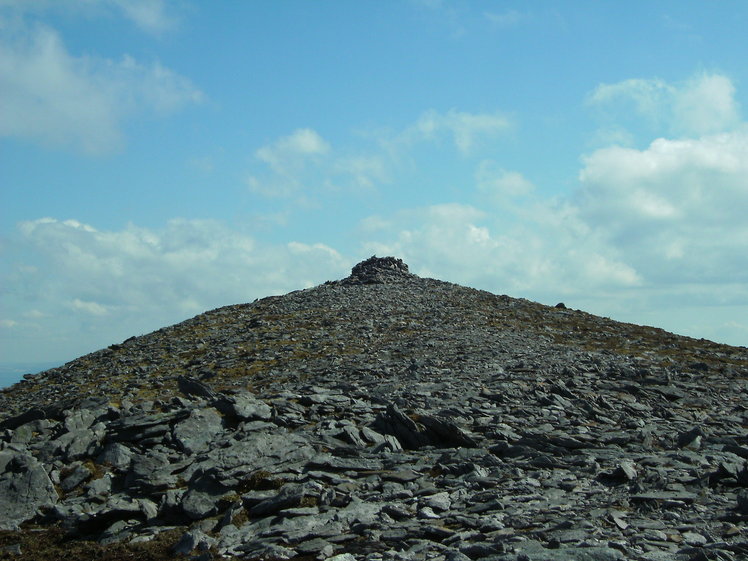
point(387, 417)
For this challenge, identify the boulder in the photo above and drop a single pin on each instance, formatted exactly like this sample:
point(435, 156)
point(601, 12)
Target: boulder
point(194, 433)
point(25, 489)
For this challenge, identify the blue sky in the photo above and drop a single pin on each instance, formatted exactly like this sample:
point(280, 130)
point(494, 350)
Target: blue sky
point(159, 159)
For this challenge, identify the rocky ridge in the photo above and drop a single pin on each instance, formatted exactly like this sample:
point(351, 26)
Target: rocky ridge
point(387, 416)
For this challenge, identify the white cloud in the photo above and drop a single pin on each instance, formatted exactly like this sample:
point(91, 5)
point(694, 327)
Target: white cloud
point(508, 18)
point(93, 308)
point(704, 104)
point(305, 259)
point(365, 172)
point(139, 86)
point(430, 4)
point(289, 152)
point(465, 129)
point(677, 208)
point(93, 287)
point(49, 96)
point(649, 97)
point(501, 183)
point(303, 164)
point(292, 159)
point(373, 224)
point(705, 179)
point(550, 255)
point(149, 15)
point(204, 164)
point(55, 98)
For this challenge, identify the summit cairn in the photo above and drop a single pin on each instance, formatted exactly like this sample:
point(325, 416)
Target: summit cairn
point(378, 270)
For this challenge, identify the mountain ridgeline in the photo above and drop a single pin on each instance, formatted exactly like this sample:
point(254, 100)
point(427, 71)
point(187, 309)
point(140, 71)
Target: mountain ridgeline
point(383, 416)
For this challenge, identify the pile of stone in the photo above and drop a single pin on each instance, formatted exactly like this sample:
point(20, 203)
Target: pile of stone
point(431, 434)
point(378, 270)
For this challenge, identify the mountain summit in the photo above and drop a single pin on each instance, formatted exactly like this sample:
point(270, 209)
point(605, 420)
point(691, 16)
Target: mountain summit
point(383, 416)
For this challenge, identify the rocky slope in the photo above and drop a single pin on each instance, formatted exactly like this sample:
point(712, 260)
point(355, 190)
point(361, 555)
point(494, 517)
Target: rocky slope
point(383, 416)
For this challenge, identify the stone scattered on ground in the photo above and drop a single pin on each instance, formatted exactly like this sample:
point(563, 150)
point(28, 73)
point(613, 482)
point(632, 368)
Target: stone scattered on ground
point(389, 417)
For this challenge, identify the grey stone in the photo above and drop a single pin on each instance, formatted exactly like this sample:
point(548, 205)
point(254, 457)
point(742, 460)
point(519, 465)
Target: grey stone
point(78, 475)
point(199, 504)
point(691, 439)
point(342, 557)
point(427, 512)
point(269, 551)
point(438, 501)
point(101, 486)
point(13, 550)
point(742, 501)
point(142, 426)
point(194, 433)
point(401, 475)
point(116, 455)
point(626, 470)
point(258, 450)
point(534, 551)
point(378, 270)
point(477, 550)
point(117, 532)
point(79, 420)
point(397, 511)
point(195, 388)
point(315, 545)
point(79, 443)
point(151, 473)
point(685, 496)
point(192, 540)
point(455, 555)
point(694, 538)
point(288, 496)
point(352, 435)
point(371, 435)
point(402, 427)
point(244, 407)
point(32, 414)
point(25, 488)
point(336, 463)
point(23, 434)
point(148, 508)
point(444, 432)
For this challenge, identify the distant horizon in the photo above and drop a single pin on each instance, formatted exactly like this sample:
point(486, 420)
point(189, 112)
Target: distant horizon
point(162, 159)
point(13, 372)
